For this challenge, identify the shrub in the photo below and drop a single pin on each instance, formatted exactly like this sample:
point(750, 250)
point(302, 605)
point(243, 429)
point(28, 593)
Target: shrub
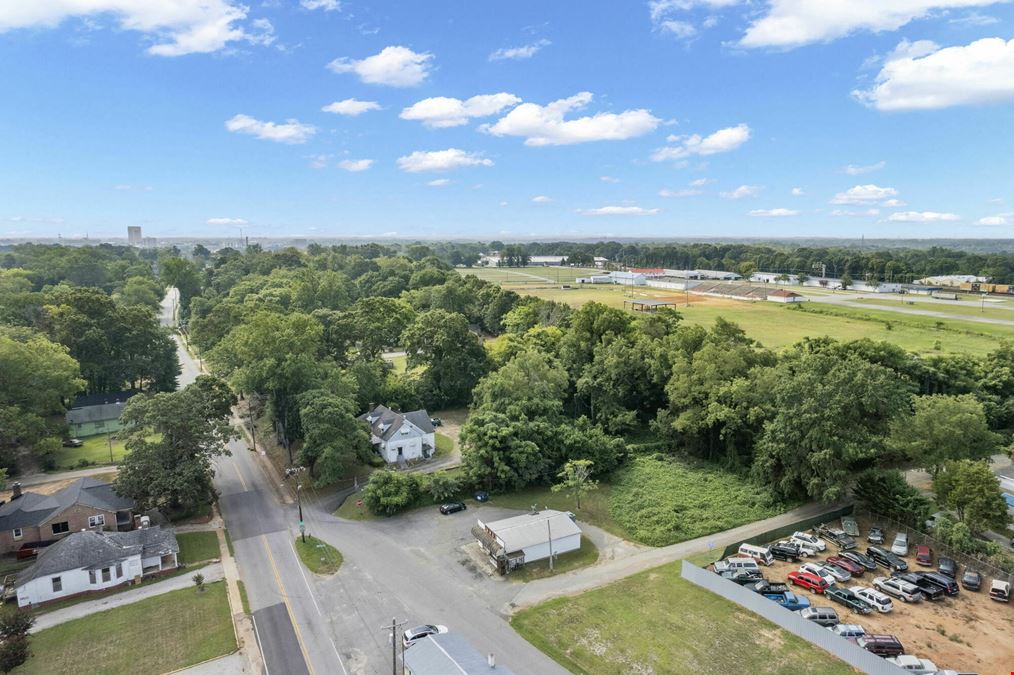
point(443, 487)
point(886, 492)
point(390, 492)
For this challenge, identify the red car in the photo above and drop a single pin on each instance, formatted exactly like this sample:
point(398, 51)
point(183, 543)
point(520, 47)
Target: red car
point(847, 565)
point(924, 555)
point(809, 581)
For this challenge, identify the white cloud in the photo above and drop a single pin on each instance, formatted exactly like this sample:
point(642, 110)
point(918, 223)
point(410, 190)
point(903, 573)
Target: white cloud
point(792, 23)
point(176, 28)
point(609, 179)
point(850, 213)
point(864, 194)
point(662, 13)
point(858, 170)
point(351, 107)
point(797, 192)
point(291, 131)
point(441, 160)
point(773, 213)
point(922, 76)
point(998, 219)
point(691, 192)
point(355, 165)
point(503, 203)
point(700, 182)
point(742, 192)
point(226, 221)
point(922, 217)
point(723, 140)
point(681, 29)
point(319, 161)
point(893, 203)
point(545, 125)
point(541, 199)
point(518, 53)
point(326, 5)
point(618, 211)
point(439, 182)
point(441, 112)
point(395, 66)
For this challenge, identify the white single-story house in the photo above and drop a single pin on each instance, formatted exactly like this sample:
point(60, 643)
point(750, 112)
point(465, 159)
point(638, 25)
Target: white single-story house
point(512, 542)
point(782, 295)
point(94, 560)
point(449, 653)
point(399, 437)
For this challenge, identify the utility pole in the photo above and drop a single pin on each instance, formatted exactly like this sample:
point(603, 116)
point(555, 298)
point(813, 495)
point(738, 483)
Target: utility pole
point(299, 501)
point(395, 625)
point(109, 439)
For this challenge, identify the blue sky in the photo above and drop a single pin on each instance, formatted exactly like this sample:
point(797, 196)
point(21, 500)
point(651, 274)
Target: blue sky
point(666, 118)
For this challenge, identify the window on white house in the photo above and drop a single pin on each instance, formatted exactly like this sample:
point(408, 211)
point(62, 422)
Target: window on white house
point(106, 574)
point(119, 570)
point(96, 521)
point(57, 584)
point(91, 577)
point(17, 533)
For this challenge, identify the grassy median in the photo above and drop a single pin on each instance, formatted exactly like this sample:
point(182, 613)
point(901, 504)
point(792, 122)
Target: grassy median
point(318, 556)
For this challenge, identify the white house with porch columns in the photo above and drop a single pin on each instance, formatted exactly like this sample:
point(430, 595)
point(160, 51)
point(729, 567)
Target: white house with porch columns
point(400, 437)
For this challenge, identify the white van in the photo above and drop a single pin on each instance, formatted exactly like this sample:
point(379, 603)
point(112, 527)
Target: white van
point(737, 565)
point(758, 553)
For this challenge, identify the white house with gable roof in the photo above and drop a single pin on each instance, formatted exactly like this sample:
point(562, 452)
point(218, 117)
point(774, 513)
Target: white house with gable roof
point(399, 436)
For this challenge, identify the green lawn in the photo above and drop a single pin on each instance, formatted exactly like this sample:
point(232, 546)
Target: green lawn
point(588, 554)
point(972, 307)
point(529, 275)
point(318, 556)
point(156, 635)
point(197, 547)
point(97, 595)
point(445, 445)
point(94, 451)
point(594, 506)
point(777, 326)
point(655, 622)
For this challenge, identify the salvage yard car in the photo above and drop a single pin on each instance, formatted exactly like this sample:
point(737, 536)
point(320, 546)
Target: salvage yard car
point(900, 545)
point(808, 580)
point(822, 616)
point(846, 564)
point(875, 598)
point(820, 571)
point(808, 541)
point(913, 664)
point(836, 536)
point(885, 558)
point(882, 645)
point(942, 580)
point(875, 535)
point(971, 580)
point(844, 596)
point(899, 588)
point(787, 551)
point(860, 559)
point(929, 590)
point(948, 567)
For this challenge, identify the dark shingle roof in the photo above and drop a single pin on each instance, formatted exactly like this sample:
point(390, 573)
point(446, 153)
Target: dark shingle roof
point(93, 549)
point(386, 422)
point(31, 509)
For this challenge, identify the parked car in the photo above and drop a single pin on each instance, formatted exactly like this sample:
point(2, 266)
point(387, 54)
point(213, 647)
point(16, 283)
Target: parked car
point(72, 442)
point(767, 588)
point(848, 630)
point(945, 582)
point(947, 567)
point(971, 580)
point(742, 577)
point(900, 544)
point(881, 645)
point(436, 421)
point(822, 616)
point(481, 496)
point(785, 550)
point(885, 558)
point(875, 598)
point(736, 564)
point(419, 632)
point(844, 596)
point(808, 541)
point(929, 590)
point(999, 591)
point(759, 553)
point(839, 573)
point(849, 566)
point(913, 664)
point(836, 536)
point(860, 559)
point(820, 571)
point(923, 555)
point(876, 535)
point(851, 527)
point(789, 600)
point(808, 580)
point(452, 507)
point(899, 588)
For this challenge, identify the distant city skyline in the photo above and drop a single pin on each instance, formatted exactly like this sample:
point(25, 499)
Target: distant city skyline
point(668, 118)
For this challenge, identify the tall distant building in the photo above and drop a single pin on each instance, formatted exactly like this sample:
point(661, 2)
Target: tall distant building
point(134, 235)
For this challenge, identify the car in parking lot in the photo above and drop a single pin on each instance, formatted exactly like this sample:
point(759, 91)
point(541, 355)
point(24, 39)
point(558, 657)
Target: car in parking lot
point(874, 598)
point(881, 645)
point(947, 567)
point(885, 558)
point(913, 664)
point(481, 496)
point(945, 582)
point(822, 616)
point(821, 571)
point(789, 600)
point(419, 632)
point(452, 507)
point(899, 588)
point(923, 555)
point(436, 421)
point(836, 536)
point(844, 596)
point(848, 630)
point(839, 573)
point(929, 590)
point(971, 580)
point(846, 564)
point(787, 551)
point(876, 535)
point(809, 541)
point(860, 559)
point(900, 544)
point(808, 580)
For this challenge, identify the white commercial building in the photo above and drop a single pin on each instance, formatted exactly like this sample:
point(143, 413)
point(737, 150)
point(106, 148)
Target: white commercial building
point(512, 542)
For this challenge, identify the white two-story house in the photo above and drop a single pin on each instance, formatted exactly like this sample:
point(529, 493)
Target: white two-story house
point(399, 436)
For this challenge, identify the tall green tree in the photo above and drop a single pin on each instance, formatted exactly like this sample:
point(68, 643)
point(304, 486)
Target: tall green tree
point(171, 440)
point(973, 491)
point(333, 439)
point(943, 428)
point(15, 624)
point(452, 355)
point(575, 479)
point(498, 454)
point(183, 275)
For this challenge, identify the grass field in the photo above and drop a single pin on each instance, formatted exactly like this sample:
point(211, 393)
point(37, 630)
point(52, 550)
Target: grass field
point(969, 308)
point(156, 635)
point(655, 622)
point(445, 444)
point(594, 506)
point(529, 275)
point(778, 326)
point(95, 450)
point(588, 554)
point(318, 556)
point(198, 546)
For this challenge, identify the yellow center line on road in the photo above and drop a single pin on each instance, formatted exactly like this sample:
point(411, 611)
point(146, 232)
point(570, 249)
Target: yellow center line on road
point(288, 607)
point(240, 474)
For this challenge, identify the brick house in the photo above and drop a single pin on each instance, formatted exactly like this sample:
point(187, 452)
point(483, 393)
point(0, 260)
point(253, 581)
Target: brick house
point(85, 504)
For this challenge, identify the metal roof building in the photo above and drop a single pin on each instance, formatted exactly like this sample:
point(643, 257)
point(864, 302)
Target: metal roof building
point(449, 654)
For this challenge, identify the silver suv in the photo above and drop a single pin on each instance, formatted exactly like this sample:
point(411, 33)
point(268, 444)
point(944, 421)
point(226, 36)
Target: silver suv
point(900, 545)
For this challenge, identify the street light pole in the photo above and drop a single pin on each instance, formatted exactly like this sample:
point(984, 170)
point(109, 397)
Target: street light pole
point(299, 501)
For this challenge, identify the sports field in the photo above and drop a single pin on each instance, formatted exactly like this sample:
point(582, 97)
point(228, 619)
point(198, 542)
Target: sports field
point(511, 276)
point(993, 309)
